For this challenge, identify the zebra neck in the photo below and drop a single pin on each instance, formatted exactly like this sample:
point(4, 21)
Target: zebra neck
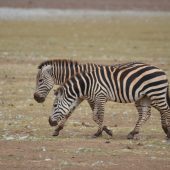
point(64, 70)
point(87, 67)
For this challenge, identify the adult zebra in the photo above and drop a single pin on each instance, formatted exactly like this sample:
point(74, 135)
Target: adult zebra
point(143, 84)
point(53, 72)
point(56, 72)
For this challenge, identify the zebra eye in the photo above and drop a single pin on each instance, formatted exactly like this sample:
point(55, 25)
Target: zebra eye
point(55, 105)
point(40, 80)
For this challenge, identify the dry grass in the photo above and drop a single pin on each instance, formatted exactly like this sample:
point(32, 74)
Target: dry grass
point(23, 122)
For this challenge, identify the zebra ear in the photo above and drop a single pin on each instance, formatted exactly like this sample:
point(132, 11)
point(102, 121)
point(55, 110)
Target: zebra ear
point(58, 92)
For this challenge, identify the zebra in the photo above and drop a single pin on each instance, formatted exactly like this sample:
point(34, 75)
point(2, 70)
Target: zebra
point(139, 83)
point(56, 72)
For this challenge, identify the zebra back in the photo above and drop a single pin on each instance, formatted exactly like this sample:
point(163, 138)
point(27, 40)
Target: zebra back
point(124, 83)
point(62, 70)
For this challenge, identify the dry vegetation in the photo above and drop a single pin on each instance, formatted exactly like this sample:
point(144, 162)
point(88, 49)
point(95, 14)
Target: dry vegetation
point(25, 136)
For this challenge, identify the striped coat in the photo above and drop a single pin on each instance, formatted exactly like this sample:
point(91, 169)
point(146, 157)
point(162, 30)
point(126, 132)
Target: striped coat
point(143, 84)
point(56, 72)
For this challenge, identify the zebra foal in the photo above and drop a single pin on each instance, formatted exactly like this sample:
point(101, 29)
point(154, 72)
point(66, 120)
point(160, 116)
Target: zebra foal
point(142, 84)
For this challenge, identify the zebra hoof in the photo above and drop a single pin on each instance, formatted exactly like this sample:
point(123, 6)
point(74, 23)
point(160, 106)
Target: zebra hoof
point(109, 132)
point(97, 134)
point(165, 129)
point(168, 135)
point(133, 135)
point(56, 133)
point(130, 136)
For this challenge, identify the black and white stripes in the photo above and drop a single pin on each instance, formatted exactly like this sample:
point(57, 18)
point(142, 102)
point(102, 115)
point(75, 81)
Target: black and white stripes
point(143, 84)
point(53, 72)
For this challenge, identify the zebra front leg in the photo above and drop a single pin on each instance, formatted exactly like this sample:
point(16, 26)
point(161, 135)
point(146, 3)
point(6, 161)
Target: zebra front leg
point(95, 118)
point(60, 126)
point(99, 122)
point(144, 109)
point(98, 117)
point(108, 131)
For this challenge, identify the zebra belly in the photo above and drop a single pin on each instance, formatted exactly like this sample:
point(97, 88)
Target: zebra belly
point(130, 99)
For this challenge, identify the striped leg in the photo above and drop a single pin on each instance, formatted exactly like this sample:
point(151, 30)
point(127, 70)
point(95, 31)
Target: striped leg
point(144, 109)
point(94, 108)
point(168, 123)
point(95, 114)
point(163, 120)
point(98, 117)
point(92, 104)
point(164, 109)
point(60, 126)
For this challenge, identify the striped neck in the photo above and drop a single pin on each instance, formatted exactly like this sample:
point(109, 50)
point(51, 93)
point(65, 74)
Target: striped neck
point(62, 70)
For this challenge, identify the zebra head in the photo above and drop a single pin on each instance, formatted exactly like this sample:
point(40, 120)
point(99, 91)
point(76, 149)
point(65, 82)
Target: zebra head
point(44, 83)
point(63, 106)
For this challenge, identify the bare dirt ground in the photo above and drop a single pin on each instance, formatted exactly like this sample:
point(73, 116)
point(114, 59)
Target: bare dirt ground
point(25, 135)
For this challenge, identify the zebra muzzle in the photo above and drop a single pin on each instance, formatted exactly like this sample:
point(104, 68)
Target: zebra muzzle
point(38, 98)
point(52, 123)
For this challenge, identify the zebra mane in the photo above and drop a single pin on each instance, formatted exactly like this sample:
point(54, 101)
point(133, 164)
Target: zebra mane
point(56, 61)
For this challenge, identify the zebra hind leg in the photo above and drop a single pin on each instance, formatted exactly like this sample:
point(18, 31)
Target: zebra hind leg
point(144, 109)
point(164, 110)
point(168, 123)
